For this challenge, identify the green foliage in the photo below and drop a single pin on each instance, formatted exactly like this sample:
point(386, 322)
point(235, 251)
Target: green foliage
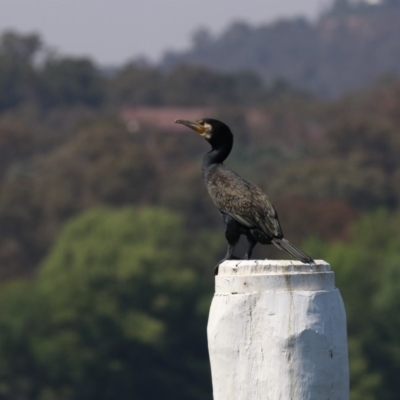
point(136, 85)
point(42, 186)
point(194, 86)
point(58, 82)
point(21, 313)
point(365, 187)
point(18, 80)
point(68, 81)
point(184, 86)
point(367, 274)
point(365, 384)
point(117, 311)
point(356, 161)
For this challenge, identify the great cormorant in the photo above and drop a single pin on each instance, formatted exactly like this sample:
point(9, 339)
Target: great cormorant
point(246, 210)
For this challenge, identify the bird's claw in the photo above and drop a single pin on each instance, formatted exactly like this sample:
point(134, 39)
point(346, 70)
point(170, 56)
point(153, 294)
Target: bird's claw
point(216, 269)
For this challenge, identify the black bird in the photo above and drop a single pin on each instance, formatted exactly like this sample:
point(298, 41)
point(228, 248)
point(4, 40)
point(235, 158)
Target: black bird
point(246, 210)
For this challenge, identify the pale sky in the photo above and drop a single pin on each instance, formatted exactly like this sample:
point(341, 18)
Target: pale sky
point(114, 31)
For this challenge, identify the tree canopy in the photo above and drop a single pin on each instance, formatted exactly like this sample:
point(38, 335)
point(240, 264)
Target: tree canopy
point(117, 311)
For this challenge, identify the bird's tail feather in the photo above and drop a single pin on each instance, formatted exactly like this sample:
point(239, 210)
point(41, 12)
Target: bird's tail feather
point(284, 245)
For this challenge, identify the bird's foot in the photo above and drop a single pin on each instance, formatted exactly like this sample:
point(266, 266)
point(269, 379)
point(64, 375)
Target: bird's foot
point(216, 269)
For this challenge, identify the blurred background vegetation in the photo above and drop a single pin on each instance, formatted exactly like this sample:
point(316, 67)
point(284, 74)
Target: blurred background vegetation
point(108, 238)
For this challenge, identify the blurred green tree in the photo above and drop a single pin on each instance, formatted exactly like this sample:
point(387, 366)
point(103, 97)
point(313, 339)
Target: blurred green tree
point(193, 86)
point(19, 217)
point(356, 160)
point(136, 85)
point(71, 81)
point(367, 274)
point(100, 164)
point(18, 78)
point(364, 187)
point(118, 310)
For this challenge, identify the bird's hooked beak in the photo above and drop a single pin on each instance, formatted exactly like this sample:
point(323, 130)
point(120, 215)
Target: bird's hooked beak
point(200, 129)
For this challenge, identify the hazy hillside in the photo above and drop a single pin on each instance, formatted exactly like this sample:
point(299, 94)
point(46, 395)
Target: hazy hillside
point(349, 46)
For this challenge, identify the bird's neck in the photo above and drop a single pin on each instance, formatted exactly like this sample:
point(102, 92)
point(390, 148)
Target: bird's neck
point(217, 155)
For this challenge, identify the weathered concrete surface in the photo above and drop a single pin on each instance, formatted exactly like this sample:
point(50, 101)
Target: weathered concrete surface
point(277, 331)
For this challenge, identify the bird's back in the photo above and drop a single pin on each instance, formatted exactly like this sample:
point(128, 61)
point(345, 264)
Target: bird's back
point(241, 199)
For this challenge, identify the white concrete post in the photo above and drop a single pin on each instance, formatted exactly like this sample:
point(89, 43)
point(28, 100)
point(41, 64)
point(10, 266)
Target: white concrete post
point(277, 331)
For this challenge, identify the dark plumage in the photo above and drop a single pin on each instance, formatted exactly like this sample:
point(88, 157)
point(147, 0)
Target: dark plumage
point(246, 210)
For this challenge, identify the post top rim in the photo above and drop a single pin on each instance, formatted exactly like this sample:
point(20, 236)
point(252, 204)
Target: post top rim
point(271, 267)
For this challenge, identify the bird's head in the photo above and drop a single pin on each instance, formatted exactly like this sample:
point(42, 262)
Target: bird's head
point(215, 132)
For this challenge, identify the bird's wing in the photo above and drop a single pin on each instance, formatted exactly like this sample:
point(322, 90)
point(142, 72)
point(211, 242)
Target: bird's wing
point(244, 201)
point(263, 212)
